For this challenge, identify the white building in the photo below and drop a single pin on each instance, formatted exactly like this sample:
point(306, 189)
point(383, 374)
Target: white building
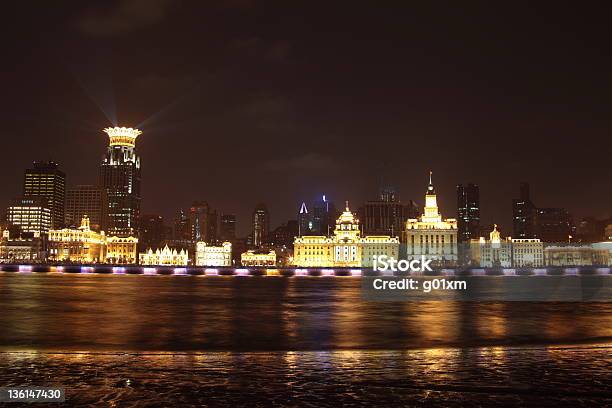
point(527, 252)
point(430, 235)
point(491, 253)
point(346, 248)
point(207, 255)
point(165, 256)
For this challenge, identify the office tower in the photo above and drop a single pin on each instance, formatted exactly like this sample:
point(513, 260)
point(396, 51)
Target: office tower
point(198, 220)
point(322, 217)
point(45, 180)
point(227, 229)
point(304, 222)
point(283, 235)
point(387, 215)
point(553, 225)
point(91, 201)
point(261, 225)
point(120, 177)
point(182, 228)
point(590, 229)
point(468, 212)
point(152, 231)
point(523, 215)
point(212, 228)
point(430, 235)
point(31, 214)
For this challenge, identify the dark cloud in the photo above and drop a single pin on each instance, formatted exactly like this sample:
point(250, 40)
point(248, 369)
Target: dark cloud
point(127, 15)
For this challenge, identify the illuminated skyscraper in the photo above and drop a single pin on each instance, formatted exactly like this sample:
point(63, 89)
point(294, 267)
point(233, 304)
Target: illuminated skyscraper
point(468, 212)
point(120, 177)
point(46, 180)
point(31, 215)
point(261, 224)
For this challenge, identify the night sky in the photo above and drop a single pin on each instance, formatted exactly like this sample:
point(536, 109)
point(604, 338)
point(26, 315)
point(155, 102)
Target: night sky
point(246, 101)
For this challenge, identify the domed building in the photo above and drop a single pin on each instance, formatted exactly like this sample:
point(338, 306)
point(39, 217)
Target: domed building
point(345, 248)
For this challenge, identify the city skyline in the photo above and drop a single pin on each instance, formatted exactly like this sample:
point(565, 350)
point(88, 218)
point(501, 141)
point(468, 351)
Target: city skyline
point(209, 98)
point(244, 225)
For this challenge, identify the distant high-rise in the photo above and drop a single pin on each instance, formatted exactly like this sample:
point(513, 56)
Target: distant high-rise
point(524, 215)
point(261, 225)
point(227, 228)
point(387, 215)
point(468, 212)
point(32, 215)
point(283, 235)
point(86, 200)
point(120, 177)
point(182, 230)
point(553, 225)
point(198, 219)
point(152, 232)
point(212, 229)
point(304, 223)
point(47, 181)
point(322, 217)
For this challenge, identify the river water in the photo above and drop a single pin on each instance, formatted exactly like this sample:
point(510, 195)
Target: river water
point(227, 341)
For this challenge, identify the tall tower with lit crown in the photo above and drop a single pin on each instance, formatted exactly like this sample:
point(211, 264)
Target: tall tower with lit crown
point(120, 177)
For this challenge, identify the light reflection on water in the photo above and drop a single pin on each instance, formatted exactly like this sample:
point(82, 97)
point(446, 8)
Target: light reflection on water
point(164, 313)
point(538, 376)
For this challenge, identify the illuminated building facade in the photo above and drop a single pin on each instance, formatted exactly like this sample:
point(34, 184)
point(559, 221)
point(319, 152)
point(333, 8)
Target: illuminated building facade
point(207, 255)
point(430, 235)
point(121, 250)
point(120, 177)
point(575, 255)
point(14, 250)
point(258, 258)
point(345, 248)
point(527, 252)
point(165, 256)
point(491, 253)
point(80, 245)
point(31, 215)
point(45, 180)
